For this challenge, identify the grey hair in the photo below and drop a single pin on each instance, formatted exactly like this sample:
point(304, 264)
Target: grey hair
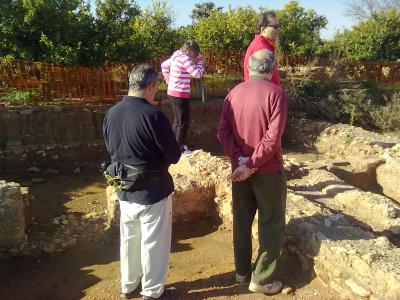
point(262, 62)
point(141, 77)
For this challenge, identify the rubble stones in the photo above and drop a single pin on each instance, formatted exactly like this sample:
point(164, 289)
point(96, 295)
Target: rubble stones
point(346, 141)
point(69, 230)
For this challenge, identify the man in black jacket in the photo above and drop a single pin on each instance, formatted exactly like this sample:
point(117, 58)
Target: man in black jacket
point(138, 135)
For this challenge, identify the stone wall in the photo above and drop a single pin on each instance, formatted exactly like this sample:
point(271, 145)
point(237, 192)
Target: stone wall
point(59, 137)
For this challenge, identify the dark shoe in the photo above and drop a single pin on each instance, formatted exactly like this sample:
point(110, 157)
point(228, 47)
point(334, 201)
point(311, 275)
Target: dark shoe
point(242, 278)
point(129, 295)
point(169, 293)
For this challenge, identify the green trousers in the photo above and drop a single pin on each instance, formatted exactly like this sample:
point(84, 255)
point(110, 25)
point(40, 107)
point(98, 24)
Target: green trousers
point(267, 194)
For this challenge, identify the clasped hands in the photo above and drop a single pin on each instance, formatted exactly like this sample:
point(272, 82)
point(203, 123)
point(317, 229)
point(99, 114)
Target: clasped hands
point(242, 172)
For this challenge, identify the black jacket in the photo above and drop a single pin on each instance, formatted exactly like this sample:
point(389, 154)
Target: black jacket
point(139, 134)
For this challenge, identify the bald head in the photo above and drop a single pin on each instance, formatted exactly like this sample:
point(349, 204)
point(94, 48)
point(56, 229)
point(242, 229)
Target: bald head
point(261, 63)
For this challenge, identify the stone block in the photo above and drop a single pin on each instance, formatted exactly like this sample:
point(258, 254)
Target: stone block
point(12, 219)
point(388, 177)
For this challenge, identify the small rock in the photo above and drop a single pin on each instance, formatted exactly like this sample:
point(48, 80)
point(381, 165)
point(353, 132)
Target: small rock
point(336, 217)
point(33, 169)
point(382, 241)
point(40, 152)
point(55, 157)
point(26, 112)
point(391, 213)
point(357, 289)
point(339, 162)
point(51, 172)
point(38, 180)
point(287, 290)
point(72, 242)
point(77, 170)
point(49, 248)
point(327, 222)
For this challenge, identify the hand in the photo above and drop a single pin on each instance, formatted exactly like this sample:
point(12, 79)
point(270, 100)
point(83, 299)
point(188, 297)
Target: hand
point(243, 160)
point(242, 173)
point(199, 58)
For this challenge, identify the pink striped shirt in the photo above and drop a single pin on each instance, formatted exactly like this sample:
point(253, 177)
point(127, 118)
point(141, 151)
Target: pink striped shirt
point(178, 71)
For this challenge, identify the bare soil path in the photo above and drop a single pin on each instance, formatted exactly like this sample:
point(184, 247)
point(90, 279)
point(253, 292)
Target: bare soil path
point(201, 265)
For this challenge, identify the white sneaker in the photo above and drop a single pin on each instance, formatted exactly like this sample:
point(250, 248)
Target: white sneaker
point(269, 289)
point(242, 278)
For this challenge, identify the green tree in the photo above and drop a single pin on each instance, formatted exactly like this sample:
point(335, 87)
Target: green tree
point(114, 29)
point(153, 31)
point(377, 38)
point(45, 30)
point(233, 29)
point(299, 34)
point(203, 10)
point(12, 42)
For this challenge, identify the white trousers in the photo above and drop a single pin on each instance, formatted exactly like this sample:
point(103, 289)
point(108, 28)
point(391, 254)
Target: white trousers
point(145, 246)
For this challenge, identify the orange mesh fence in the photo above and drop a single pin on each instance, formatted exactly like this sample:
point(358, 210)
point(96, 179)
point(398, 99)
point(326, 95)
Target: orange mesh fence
point(224, 68)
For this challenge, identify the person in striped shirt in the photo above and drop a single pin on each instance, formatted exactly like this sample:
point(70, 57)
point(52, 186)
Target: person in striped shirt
point(178, 70)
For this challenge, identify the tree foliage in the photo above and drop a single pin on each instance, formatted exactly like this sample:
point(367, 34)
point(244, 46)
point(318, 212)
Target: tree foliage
point(153, 31)
point(203, 10)
point(233, 29)
point(300, 28)
point(48, 30)
point(67, 32)
point(377, 38)
point(113, 28)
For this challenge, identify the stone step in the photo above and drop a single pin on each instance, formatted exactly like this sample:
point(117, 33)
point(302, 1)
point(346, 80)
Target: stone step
point(347, 258)
point(369, 210)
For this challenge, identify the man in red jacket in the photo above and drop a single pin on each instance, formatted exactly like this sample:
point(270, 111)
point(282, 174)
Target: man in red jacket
point(267, 32)
point(252, 122)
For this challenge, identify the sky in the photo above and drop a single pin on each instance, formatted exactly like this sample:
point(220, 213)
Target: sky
point(334, 11)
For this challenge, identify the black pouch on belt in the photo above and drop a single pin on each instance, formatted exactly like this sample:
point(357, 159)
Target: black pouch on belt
point(131, 177)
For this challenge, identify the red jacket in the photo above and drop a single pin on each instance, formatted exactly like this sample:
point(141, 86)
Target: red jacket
point(252, 122)
point(260, 43)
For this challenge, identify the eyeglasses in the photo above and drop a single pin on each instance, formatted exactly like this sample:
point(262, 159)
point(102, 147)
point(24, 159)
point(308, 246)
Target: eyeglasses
point(275, 26)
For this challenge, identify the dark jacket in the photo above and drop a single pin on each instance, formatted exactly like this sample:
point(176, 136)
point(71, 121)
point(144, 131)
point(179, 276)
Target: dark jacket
point(139, 134)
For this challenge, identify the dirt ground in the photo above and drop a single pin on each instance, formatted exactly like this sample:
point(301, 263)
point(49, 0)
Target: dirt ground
point(201, 264)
